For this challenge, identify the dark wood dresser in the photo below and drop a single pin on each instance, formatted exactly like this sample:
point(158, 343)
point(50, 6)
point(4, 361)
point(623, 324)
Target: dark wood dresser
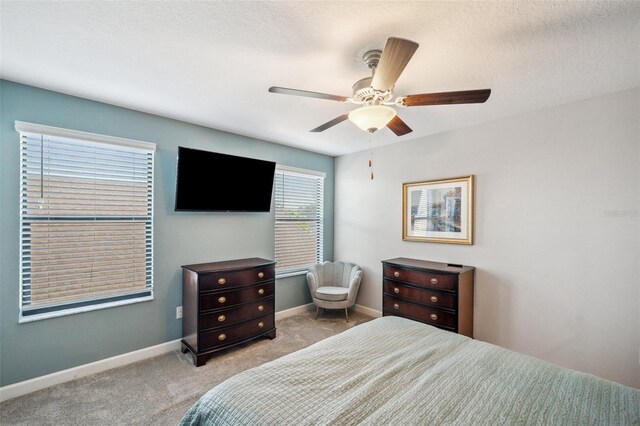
point(439, 294)
point(225, 304)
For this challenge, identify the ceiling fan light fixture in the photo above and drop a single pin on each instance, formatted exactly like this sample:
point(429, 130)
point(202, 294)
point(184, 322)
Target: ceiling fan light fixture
point(371, 118)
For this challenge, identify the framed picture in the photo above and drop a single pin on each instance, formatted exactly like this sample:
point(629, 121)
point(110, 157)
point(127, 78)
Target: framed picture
point(438, 211)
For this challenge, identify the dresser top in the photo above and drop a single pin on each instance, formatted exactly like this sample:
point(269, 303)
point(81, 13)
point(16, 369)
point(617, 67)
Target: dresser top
point(226, 265)
point(426, 264)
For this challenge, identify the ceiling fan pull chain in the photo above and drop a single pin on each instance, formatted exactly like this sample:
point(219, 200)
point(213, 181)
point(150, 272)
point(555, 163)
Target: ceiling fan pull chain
point(370, 159)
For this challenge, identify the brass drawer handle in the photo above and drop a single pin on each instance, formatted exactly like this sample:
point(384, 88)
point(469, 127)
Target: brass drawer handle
point(434, 299)
point(222, 281)
point(396, 290)
point(396, 306)
point(222, 336)
point(221, 318)
point(222, 299)
point(433, 317)
point(396, 274)
point(260, 274)
point(261, 291)
point(260, 308)
point(434, 281)
point(260, 324)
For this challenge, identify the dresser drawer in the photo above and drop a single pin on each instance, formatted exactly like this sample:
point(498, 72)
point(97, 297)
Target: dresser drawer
point(229, 335)
point(419, 295)
point(403, 308)
point(225, 299)
point(230, 316)
point(231, 279)
point(420, 278)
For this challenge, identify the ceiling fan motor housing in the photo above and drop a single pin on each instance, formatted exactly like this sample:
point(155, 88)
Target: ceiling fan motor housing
point(362, 90)
point(364, 93)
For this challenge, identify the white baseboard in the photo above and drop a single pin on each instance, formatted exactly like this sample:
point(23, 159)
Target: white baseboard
point(293, 311)
point(367, 311)
point(22, 388)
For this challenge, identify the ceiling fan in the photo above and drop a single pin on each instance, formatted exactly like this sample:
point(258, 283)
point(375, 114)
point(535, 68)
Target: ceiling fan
point(375, 93)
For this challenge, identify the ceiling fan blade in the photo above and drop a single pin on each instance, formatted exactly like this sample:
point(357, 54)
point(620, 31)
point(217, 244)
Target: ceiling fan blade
point(331, 123)
point(306, 93)
point(444, 98)
point(395, 57)
point(399, 127)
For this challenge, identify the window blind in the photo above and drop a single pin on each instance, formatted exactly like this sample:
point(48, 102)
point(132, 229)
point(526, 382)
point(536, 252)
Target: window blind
point(86, 212)
point(299, 204)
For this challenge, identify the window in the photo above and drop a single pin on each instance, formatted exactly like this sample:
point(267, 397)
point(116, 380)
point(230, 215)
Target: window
point(86, 221)
point(299, 199)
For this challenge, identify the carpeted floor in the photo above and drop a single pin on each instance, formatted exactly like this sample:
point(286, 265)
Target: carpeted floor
point(159, 390)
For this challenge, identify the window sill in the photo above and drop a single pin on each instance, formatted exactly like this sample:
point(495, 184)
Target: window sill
point(72, 311)
point(290, 274)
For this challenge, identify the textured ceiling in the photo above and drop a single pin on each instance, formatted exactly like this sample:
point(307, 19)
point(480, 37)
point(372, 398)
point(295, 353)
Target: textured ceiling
point(211, 63)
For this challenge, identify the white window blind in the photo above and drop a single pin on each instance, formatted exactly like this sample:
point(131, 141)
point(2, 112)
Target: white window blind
point(299, 200)
point(86, 212)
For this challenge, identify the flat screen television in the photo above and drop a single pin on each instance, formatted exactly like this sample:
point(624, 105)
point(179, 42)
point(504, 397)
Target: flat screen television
point(214, 182)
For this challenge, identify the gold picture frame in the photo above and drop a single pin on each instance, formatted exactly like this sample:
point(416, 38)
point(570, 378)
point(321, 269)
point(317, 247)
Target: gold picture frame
point(438, 211)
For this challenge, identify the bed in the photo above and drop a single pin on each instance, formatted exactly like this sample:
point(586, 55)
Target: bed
point(396, 371)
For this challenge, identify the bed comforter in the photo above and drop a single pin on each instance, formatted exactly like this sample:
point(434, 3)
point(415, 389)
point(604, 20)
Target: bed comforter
point(396, 371)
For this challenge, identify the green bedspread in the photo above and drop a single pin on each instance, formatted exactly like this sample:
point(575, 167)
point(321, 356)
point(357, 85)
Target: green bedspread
point(396, 371)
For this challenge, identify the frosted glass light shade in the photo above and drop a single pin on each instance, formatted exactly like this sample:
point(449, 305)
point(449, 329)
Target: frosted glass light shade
point(372, 117)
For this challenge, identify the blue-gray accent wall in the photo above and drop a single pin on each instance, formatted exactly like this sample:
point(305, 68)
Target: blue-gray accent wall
point(33, 349)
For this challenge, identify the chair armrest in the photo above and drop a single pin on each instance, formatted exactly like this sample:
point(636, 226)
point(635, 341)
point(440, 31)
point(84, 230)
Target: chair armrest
point(354, 285)
point(312, 280)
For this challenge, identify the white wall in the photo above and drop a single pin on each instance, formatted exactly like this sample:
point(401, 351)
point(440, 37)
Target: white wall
point(558, 273)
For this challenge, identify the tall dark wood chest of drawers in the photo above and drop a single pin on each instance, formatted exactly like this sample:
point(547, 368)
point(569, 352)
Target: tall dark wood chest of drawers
point(439, 294)
point(225, 304)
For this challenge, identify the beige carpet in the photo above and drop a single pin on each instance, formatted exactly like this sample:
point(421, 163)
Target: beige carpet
point(159, 390)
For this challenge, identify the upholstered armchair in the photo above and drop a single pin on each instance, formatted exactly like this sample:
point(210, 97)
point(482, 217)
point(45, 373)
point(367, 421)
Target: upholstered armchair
point(334, 285)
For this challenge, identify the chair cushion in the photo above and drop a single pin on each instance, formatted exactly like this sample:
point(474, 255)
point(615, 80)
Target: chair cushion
point(331, 293)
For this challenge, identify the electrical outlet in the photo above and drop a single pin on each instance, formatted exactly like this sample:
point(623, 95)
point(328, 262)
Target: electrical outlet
point(179, 312)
